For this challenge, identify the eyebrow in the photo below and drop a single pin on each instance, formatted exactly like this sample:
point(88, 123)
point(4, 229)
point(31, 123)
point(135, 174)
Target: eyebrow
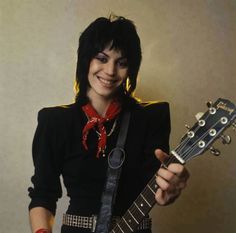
point(120, 58)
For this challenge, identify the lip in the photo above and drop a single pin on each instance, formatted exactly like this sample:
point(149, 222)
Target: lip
point(107, 82)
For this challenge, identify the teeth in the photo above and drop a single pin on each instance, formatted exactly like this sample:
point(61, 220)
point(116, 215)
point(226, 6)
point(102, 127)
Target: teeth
point(108, 82)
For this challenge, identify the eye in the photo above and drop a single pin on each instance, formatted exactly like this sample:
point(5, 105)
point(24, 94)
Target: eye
point(101, 58)
point(123, 63)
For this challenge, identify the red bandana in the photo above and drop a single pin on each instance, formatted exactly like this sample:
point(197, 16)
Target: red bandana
point(94, 119)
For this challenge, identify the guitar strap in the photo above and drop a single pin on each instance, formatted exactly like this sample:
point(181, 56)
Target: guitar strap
point(115, 160)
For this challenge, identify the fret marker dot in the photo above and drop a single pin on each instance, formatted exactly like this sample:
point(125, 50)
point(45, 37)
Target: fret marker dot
point(142, 204)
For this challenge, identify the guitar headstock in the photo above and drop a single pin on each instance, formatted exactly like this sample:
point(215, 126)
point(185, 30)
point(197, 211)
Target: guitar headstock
point(209, 127)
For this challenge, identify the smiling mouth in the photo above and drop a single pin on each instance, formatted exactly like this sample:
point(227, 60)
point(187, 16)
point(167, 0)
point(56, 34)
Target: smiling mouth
point(107, 83)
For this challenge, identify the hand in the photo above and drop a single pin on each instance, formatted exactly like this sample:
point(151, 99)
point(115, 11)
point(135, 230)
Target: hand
point(171, 180)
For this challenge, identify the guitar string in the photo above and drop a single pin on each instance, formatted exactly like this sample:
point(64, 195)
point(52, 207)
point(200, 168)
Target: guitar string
point(145, 192)
point(184, 142)
point(123, 224)
point(185, 155)
point(191, 149)
point(197, 127)
point(134, 214)
point(133, 209)
point(188, 151)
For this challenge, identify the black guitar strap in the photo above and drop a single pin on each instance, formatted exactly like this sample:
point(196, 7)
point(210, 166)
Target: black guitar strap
point(115, 161)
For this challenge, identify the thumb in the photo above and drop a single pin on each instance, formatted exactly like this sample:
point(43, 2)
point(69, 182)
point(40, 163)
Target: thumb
point(161, 155)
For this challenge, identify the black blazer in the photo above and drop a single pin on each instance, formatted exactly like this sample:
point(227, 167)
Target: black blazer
point(58, 151)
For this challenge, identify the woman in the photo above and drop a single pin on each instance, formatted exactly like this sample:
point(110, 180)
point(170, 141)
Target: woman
point(74, 140)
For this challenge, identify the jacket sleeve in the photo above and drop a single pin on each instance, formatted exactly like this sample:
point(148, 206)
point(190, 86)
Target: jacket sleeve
point(157, 137)
point(46, 179)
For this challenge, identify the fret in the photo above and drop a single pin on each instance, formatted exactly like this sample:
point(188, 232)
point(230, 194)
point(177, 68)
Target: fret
point(152, 183)
point(142, 202)
point(120, 228)
point(145, 200)
point(139, 209)
point(127, 224)
point(123, 226)
point(132, 217)
point(150, 189)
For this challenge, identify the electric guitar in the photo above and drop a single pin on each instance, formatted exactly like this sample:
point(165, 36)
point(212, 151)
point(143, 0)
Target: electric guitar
point(209, 127)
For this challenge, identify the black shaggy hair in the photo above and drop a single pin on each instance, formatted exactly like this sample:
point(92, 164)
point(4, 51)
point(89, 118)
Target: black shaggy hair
point(118, 32)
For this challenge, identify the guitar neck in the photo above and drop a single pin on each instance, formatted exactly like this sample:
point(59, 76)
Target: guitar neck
point(138, 210)
point(198, 139)
point(140, 207)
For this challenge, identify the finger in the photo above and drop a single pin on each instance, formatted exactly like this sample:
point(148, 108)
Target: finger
point(172, 186)
point(161, 155)
point(165, 198)
point(176, 168)
point(168, 181)
point(162, 183)
point(160, 197)
point(179, 170)
point(166, 174)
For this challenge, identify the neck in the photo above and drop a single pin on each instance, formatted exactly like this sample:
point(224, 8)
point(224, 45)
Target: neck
point(100, 104)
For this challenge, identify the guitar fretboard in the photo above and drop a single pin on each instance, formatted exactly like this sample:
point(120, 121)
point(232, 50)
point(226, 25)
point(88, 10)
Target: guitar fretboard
point(140, 207)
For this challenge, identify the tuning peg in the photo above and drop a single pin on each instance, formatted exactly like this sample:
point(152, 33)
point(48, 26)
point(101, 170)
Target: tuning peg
point(199, 115)
point(214, 151)
point(226, 139)
point(209, 104)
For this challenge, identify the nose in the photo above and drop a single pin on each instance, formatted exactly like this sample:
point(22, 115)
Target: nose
point(110, 68)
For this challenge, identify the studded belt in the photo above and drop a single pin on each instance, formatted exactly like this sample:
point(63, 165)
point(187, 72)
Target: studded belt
point(90, 222)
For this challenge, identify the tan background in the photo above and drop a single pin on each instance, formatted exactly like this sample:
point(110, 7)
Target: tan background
point(189, 55)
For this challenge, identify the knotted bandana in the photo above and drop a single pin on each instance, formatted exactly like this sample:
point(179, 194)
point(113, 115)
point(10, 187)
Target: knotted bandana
point(94, 119)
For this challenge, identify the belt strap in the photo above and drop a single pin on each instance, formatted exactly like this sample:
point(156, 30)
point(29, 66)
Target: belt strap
point(90, 222)
point(115, 161)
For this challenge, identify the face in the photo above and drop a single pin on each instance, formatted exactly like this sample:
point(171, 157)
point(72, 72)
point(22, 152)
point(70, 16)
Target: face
point(107, 71)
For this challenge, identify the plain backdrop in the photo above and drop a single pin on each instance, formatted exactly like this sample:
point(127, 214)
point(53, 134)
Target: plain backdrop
point(189, 57)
